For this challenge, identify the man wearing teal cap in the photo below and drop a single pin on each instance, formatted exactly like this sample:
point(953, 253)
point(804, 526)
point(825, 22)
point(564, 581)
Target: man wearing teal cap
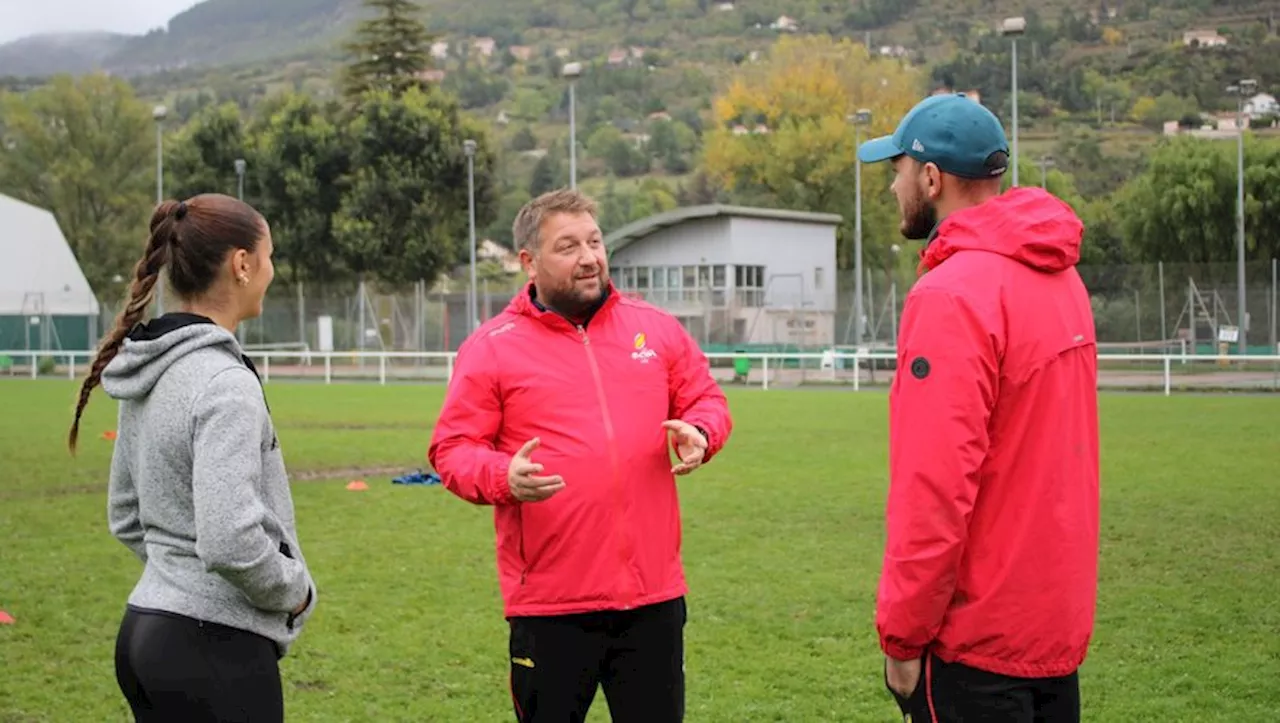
point(986, 600)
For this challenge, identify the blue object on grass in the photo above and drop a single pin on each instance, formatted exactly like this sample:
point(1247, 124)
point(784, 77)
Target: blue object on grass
point(417, 478)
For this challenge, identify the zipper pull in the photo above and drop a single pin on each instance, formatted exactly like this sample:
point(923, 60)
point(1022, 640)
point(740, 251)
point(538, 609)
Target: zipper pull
point(583, 331)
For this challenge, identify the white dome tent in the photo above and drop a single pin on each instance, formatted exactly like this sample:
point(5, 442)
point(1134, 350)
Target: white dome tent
point(46, 303)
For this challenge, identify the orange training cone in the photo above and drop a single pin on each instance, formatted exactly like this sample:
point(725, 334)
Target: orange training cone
point(6, 618)
point(358, 486)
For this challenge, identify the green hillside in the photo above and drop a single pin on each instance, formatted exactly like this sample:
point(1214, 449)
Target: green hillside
point(235, 32)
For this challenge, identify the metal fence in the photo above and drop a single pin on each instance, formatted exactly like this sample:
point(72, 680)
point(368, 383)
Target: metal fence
point(1166, 373)
point(1153, 308)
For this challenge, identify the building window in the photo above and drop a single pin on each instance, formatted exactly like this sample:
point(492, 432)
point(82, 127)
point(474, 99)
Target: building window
point(817, 278)
point(750, 286)
point(691, 284)
point(749, 277)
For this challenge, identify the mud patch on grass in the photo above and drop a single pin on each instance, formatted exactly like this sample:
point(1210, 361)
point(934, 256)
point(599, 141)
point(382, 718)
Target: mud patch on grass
point(348, 473)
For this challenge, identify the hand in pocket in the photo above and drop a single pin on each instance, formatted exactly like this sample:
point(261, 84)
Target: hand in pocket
point(902, 678)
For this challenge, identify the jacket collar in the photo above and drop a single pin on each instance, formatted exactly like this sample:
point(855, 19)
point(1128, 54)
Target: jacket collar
point(527, 304)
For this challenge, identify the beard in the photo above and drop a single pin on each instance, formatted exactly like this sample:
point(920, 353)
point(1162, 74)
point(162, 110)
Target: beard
point(918, 220)
point(573, 300)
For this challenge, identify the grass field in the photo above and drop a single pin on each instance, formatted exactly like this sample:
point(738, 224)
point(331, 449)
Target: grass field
point(782, 546)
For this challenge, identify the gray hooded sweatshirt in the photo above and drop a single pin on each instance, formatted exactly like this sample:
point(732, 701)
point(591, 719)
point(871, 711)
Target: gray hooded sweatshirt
point(198, 487)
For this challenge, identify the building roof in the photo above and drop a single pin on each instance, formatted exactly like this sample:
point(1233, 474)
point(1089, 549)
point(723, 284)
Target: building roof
point(40, 275)
point(632, 232)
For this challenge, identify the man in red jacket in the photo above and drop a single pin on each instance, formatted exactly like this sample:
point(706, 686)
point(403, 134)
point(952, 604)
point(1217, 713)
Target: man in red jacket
point(986, 602)
point(559, 415)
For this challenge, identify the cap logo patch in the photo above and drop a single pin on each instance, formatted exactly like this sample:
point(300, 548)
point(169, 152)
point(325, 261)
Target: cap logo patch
point(917, 146)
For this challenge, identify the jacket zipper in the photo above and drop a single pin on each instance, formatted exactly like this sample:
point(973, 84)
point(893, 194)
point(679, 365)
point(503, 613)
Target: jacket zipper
point(619, 522)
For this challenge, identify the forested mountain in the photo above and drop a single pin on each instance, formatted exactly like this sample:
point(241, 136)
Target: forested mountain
point(59, 53)
point(236, 32)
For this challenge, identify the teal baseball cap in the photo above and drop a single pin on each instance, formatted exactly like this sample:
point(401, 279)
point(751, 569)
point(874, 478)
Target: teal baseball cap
point(952, 131)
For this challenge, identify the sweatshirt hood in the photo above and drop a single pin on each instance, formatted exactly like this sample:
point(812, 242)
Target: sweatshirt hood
point(1027, 224)
point(150, 349)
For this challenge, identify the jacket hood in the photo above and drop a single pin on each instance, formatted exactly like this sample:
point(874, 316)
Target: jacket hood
point(1027, 224)
point(150, 349)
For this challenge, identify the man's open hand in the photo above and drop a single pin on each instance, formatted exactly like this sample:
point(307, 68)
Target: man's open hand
point(689, 444)
point(521, 476)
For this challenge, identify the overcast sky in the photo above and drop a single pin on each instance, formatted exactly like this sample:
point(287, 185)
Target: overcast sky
point(20, 18)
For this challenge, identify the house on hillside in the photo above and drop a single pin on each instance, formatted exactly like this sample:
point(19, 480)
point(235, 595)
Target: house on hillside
point(785, 24)
point(1261, 104)
point(1203, 39)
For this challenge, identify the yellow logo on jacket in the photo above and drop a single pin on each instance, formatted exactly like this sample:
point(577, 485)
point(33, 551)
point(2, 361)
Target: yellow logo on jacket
point(642, 353)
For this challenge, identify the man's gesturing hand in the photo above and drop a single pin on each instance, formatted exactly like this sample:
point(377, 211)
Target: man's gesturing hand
point(689, 444)
point(520, 476)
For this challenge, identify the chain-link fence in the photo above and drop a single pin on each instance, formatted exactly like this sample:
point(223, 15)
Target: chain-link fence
point(1145, 307)
point(1161, 308)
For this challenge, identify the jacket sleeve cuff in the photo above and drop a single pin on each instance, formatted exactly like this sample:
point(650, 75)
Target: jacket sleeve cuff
point(500, 492)
point(705, 430)
point(901, 652)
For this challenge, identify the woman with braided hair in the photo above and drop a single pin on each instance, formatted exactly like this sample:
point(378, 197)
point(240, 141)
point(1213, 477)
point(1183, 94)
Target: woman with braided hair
point(198, 489)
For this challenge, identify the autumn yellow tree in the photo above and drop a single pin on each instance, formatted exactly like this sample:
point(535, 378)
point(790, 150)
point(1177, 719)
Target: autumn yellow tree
point(782, 133)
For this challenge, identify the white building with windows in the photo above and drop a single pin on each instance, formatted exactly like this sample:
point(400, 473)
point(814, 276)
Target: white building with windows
point(734, 275)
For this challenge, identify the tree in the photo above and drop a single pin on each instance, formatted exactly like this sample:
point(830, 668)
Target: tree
point(403, 216)
point(524, 139)
point(201, 157)
point(1183, 207)
point(390, 51)
point(1154, 112)
point(797, 150)
point(670, 141)
point(546, 175)
point(84, 148)
point(300, 157)
point(619, 155)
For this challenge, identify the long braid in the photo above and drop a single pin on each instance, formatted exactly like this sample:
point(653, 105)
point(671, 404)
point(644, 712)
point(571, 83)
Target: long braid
point(141, 291)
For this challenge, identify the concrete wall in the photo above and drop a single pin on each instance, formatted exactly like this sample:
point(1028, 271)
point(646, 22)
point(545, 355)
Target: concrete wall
point(799, 260)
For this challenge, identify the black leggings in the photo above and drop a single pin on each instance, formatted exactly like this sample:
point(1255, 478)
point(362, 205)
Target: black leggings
point(175, 668)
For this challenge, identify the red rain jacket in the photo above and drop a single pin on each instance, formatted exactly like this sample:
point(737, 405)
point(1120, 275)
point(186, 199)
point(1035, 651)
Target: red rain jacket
point(991, 558)
point(596, 396)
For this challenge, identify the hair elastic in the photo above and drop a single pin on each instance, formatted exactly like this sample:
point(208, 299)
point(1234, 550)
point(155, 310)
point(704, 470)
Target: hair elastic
point(181, 213)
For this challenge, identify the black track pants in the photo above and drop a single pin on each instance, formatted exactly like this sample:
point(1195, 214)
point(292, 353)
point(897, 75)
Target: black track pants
point(637, 656)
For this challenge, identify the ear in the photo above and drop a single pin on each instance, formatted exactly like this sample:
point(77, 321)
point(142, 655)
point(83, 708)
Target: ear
point(526, 262)
point(931, 181)
point(240, 263)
